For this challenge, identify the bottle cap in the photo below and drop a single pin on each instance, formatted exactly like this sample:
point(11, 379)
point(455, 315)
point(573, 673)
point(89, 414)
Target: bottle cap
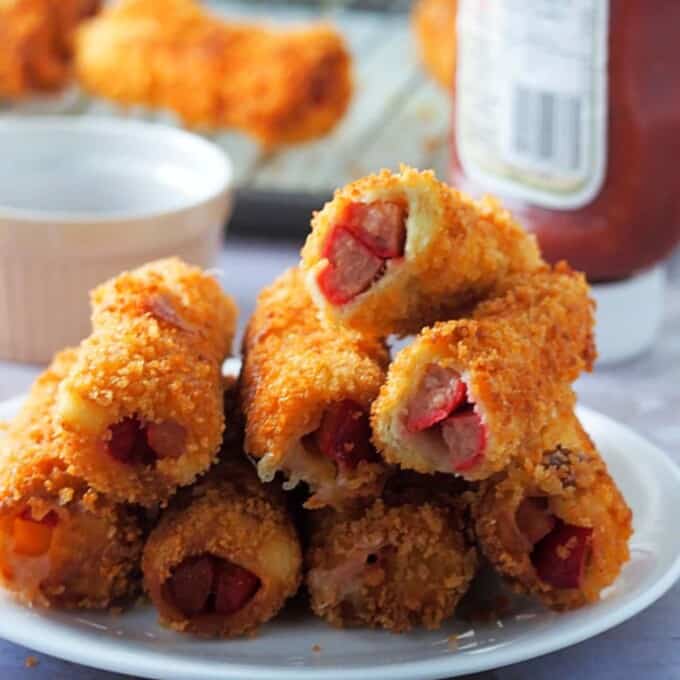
point(629, 315)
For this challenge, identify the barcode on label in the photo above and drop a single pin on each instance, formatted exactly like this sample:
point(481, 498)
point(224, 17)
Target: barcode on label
point(545, 129)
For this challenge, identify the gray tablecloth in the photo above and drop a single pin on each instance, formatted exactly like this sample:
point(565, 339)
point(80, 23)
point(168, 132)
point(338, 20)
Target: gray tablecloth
point(644, 393)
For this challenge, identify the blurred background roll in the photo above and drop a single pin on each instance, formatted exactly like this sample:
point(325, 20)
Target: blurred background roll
point(280, 86)
point(37, 39)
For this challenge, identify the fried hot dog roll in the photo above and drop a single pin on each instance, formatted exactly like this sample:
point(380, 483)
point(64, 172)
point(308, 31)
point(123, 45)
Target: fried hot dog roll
point(389, 567)
point(306, 391)
point(466, 395)
point(279, 86)
point(434, 27)
point(36, 38)
point(141, 411)
point(556, 526)
point(61, 543)
point(225, 558)
point(392, 253)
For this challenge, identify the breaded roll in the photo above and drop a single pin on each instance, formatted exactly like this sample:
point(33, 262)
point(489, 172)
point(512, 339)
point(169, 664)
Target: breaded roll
point(36, 38)
point(434, 27)
point(306, 391)
point(281, 86)
point(225, 557)
point(557, 528)
point(141, 412)
point(467, 395)
point(61, 543)
point(391, 567)
point(392, 253)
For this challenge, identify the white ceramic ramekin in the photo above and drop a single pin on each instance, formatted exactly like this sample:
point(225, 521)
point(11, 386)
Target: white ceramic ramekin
point(83, 199)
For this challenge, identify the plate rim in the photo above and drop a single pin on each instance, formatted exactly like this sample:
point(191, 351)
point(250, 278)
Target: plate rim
point(65, 644)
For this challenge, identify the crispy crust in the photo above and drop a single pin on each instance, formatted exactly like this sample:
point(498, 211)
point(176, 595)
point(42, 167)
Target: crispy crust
point(422, 566)
point(160, 334)
point(36, 38)
point(93, 559)
point(434, 26)
point(516, 353)
point(230, 515)
point(281, 87)
point(457, 250)
point(294, 367)
point(569, 471)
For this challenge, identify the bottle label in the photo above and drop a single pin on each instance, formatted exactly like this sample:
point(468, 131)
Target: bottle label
point(531, 98)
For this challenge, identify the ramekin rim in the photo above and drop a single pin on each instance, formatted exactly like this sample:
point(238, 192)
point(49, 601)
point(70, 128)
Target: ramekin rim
point(117, 126)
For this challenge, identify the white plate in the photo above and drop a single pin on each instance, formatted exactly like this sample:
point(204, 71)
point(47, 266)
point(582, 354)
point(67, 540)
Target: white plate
point(285, 649)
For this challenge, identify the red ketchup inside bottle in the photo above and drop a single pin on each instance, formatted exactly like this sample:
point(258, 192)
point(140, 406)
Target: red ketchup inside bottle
point(570, 114)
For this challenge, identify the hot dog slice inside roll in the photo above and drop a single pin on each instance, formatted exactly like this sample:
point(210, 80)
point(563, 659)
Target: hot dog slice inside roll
point(392, 253)
point(141, 412)
point(391, 567)
point(225, 557)
point(466, 394)
point(557, 528)
point(306, 390)
point(61, 543)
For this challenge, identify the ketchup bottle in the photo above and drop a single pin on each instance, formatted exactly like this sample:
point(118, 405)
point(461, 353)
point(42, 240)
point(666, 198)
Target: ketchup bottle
point(569, 111)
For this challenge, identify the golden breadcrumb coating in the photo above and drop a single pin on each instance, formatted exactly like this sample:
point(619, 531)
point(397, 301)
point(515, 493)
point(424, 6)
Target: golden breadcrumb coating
point(229, 515)
point(88, 554)
point(160, 334)
point(456, 251)
point(279, 86)
point(389, 567)
point(515, 354)
point(434, 26)
point(294, 368)
point(37, 43)
point(570, 474)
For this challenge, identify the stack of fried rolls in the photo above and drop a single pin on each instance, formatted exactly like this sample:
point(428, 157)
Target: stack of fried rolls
point(378, 481)
point(115, 424)
point(482, 394)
